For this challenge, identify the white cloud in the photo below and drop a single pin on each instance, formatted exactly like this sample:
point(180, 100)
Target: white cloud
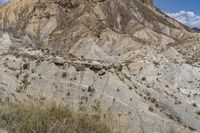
point(186, 17)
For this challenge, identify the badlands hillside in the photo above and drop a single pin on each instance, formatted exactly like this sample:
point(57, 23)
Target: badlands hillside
point(125, 60)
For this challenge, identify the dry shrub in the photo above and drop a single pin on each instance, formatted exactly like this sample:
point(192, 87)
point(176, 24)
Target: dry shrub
point(48, 119)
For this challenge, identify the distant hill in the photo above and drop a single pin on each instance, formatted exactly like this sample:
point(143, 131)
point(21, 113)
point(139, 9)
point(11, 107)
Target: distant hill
point(196, 29)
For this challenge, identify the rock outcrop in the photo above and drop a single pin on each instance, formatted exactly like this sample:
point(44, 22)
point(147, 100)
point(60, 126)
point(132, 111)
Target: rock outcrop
point(148, 2)
point(121, 59)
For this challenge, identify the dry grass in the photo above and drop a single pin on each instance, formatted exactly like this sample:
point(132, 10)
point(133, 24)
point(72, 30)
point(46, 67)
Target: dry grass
point(12, 51)
point(51, 119)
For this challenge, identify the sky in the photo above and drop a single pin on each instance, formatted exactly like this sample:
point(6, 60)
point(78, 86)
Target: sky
point(185, 11)
point(2, 1)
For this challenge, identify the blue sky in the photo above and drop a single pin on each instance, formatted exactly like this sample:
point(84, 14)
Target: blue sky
point(2, 1)
point(173, 6)
point(185, 11)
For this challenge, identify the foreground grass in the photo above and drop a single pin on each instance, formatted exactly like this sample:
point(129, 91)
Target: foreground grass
point(51, 119)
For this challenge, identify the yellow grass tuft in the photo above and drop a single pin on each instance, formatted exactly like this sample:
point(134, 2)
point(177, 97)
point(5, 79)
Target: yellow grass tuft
point(48, 119)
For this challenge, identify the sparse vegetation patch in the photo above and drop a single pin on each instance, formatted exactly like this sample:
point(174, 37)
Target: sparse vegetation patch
point(48, 119)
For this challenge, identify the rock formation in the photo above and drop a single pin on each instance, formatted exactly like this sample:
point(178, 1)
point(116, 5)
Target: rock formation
point(148, 2)
point(139, 66)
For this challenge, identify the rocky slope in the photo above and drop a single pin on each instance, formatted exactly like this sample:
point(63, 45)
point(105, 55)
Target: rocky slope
point(148, 2)
point(123, 57)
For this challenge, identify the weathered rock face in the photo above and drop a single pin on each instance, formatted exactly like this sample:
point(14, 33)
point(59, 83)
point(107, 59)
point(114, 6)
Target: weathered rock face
point(138, 66)
point(65, 23)
point(148, 2)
